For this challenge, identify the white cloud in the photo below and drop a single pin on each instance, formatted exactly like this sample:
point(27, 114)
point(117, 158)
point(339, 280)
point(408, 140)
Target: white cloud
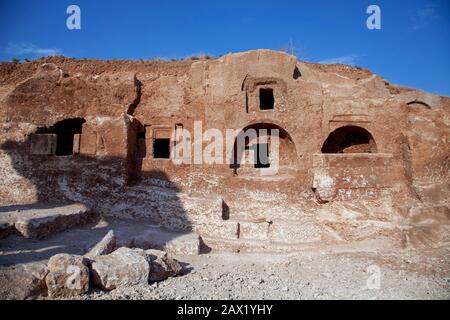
point(20, 49)
point(424, 17)
point(350, 60)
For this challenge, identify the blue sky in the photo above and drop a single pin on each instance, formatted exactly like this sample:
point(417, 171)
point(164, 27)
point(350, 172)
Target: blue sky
point(412, 48)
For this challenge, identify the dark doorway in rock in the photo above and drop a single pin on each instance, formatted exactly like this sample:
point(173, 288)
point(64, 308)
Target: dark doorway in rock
point(161, 148)
point(350, 139)
point(261, 151)
point(266, 99)
point(286, 156)
point(65, 131)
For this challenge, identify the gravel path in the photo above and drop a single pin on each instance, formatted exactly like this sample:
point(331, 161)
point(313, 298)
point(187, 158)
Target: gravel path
point(307, 275)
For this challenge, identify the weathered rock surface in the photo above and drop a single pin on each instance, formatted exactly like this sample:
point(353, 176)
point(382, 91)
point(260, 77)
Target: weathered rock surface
point(68, 276)
point(23, 281)
point(123, 267)
point(104, 246)
point(162, 266)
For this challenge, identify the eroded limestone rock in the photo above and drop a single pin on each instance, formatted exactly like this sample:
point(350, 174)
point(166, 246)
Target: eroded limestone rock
point(68, 276)
point(123, 267)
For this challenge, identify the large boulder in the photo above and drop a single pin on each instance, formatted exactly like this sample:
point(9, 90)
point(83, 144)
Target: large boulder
point(124, 267)
point(105, 246)
point(162, 266)
point(68, 276)
point(23, 281)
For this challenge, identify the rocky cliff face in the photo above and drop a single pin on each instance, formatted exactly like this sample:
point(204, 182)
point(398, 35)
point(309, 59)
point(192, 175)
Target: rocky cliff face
point(359, 158)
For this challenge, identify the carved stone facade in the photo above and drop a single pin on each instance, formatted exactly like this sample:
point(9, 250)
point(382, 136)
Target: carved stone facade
point(359, 158)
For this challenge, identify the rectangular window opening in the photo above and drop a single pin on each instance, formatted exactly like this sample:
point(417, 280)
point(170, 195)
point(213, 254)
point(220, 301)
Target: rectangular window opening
point(266, 99)
point(161, 148)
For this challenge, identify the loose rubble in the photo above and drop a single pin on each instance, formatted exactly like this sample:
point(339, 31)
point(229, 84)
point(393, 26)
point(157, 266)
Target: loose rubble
point(103, 267)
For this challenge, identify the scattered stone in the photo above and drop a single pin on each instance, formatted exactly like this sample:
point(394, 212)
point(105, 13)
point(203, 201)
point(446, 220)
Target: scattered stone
point(23, 281)
point(124, 267)
point(68, 276)
point(105, 246)
point(162, 266)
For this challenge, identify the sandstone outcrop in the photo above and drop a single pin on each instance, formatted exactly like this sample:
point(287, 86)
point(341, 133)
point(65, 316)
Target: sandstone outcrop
point(356, 153)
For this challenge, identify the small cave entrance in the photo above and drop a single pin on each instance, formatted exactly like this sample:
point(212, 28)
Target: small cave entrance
point(65, 131)
point(266, 99)
point(350, 139)
point(297, 74)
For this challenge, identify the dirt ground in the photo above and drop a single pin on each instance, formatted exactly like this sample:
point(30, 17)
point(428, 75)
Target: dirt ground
point(314, 274)
point(306, 275)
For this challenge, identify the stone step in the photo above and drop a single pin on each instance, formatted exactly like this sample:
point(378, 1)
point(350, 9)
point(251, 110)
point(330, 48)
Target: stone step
point(39, 221)
point(171, 242)
point(268, 246)
point(241, 245)
point(280, 231)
